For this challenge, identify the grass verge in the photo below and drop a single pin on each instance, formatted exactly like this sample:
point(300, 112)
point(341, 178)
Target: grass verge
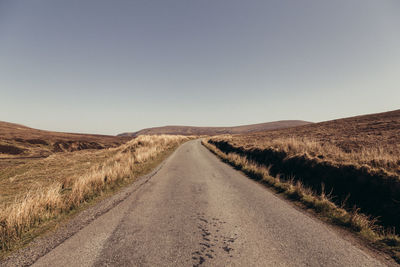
point(42, 209)
point(361, 225)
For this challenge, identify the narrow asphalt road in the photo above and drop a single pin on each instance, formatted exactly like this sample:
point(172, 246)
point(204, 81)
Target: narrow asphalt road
point(198, 211)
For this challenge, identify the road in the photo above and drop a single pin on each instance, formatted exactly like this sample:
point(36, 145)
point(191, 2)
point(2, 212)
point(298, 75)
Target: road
point(198, 211)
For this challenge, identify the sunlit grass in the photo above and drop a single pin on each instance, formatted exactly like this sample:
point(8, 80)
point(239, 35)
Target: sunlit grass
point(361, 224)
point(68, 192)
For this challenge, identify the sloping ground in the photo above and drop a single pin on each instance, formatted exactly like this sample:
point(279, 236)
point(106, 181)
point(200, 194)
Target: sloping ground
point(39, 192)
point(18, 141)
point(191, 130)
point(195, 211)
point(352, 134)
point(356, 159)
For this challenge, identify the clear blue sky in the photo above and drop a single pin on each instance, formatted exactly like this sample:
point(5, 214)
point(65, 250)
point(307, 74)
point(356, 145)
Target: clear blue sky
point(113, 66)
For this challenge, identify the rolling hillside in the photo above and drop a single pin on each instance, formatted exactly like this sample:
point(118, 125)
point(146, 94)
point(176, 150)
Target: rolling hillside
point(357, 159)
point(20, 141)
point(191, 130)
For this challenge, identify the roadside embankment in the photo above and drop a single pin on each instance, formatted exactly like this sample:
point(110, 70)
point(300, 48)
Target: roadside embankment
point(336, 194)
point(374, 192)
point(30, 212)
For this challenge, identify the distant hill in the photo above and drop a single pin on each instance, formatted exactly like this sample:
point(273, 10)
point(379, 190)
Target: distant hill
point(350, 134)
point(22, 141)
point(192, 130)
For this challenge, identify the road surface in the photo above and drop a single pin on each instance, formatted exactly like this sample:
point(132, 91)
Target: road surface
point(198, 211)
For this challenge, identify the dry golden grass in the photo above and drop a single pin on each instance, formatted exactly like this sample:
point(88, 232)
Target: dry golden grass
point(31, 174)
point(18, 141)
point(89, 178)
point(364, 226)
point(356, 159)
point(376, 157)
point(370, 141)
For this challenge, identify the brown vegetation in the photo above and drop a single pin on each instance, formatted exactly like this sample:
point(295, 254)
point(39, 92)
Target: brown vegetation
point(321, 203)
point(356, 160)
point(11, 150)
point(371, 140)
point(190, 130)
point(18, 141)
point(34, 193)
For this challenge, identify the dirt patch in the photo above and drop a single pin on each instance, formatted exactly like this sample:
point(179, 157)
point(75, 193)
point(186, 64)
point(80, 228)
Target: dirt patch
point(12, 150)
point(70, 146)
point(36, 142)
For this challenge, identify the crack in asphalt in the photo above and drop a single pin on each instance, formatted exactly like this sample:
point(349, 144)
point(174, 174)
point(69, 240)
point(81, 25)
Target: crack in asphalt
point(213, 240)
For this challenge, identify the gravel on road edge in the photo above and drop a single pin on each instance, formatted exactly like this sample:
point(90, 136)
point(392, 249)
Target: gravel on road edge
point(42, 245)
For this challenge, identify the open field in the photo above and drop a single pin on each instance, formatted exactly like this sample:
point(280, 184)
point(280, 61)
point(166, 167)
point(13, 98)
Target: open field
point(18, 141)
point(369, 140)
point(191, 130)
point(32, 158)
point(42, 190)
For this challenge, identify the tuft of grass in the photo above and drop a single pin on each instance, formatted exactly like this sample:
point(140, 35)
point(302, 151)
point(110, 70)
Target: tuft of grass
point(42, 204)
point(377, 157)
point(362, 225)
point(369, 141)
